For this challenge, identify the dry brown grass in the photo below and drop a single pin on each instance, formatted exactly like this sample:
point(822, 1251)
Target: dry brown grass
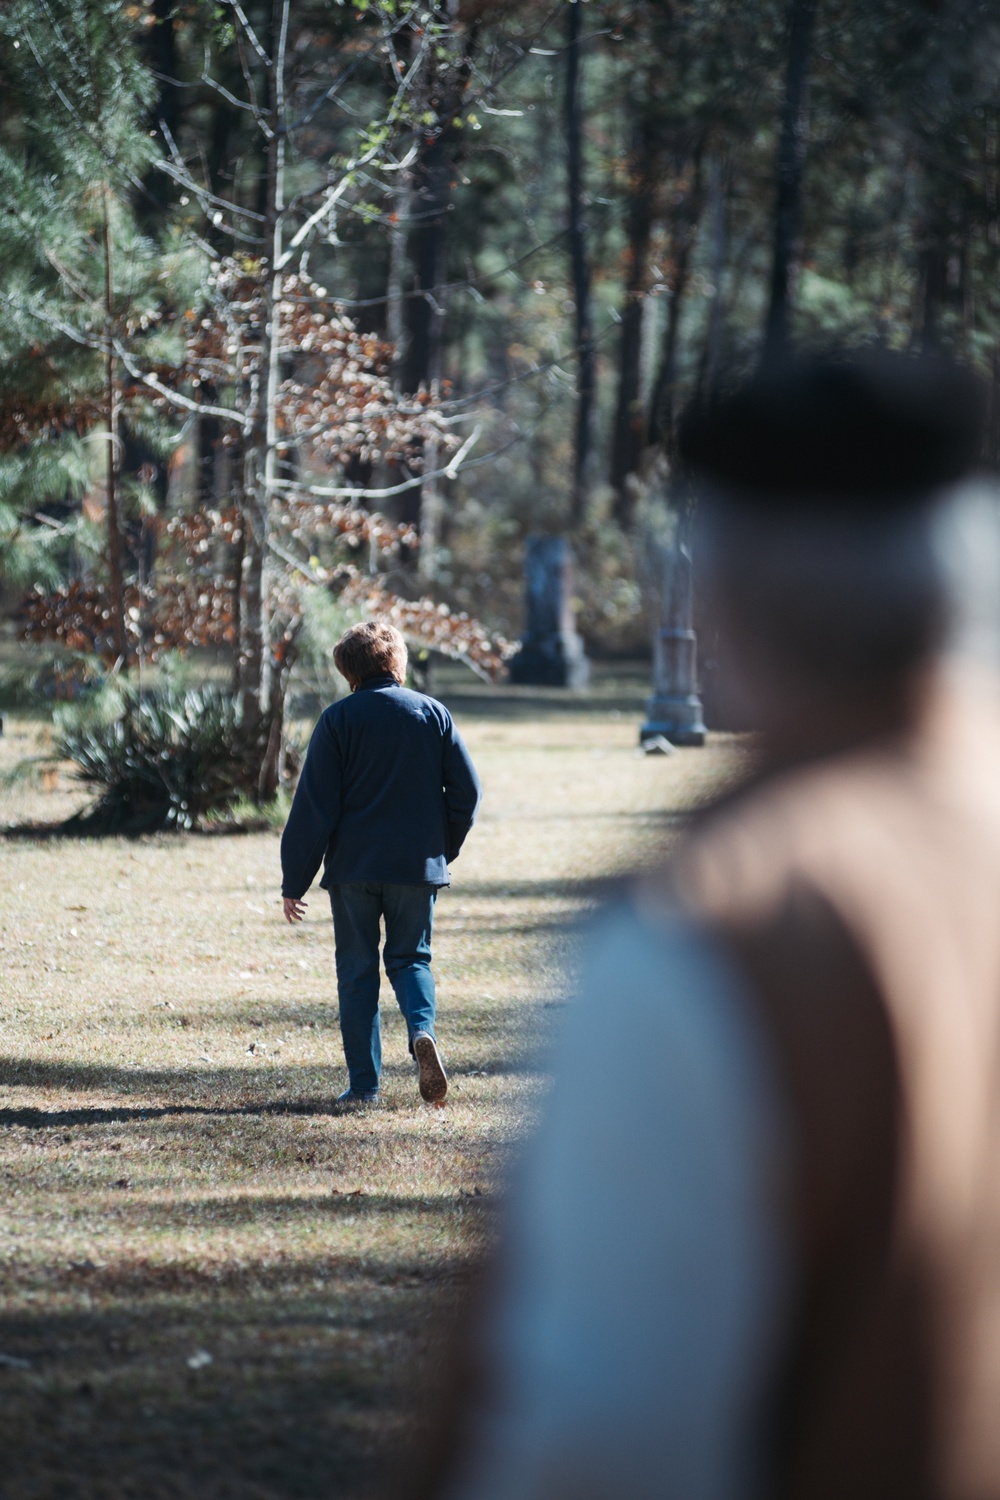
point(216, 1287)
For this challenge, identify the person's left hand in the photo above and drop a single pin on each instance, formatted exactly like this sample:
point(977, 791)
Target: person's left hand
point(294, 910)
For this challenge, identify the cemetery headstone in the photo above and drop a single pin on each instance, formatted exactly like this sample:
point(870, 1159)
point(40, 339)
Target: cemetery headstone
point(551, 653)
point(674, 710)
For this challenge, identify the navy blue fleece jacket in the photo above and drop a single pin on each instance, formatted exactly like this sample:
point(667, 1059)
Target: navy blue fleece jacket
point(388, 792)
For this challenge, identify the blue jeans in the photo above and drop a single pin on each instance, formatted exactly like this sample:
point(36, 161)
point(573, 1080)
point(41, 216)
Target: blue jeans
point(409, 915)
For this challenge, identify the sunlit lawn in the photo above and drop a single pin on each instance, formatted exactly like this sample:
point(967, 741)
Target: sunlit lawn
point(211, 1285)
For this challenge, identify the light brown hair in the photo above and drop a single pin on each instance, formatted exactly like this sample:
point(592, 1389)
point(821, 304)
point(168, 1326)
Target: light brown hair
point(368, 650)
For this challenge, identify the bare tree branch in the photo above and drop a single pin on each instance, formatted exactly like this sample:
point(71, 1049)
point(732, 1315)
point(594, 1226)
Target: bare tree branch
point(359, 492)
point(220, 88)
point(453, 465)
point(258, 113)
point(178, 169)
point(177, 398)
point(251, 35)
point(295, 562)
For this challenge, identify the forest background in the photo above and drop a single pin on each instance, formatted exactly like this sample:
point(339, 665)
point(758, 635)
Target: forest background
point(312, 309)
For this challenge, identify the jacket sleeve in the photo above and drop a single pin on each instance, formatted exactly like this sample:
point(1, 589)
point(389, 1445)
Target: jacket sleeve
point(463, 790)
point(315, 812)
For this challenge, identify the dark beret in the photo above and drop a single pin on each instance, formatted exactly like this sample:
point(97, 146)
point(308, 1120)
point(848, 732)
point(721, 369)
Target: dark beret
point(854, 432)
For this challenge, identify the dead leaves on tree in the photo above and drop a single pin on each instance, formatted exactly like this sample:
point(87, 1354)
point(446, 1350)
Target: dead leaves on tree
point(337, 406)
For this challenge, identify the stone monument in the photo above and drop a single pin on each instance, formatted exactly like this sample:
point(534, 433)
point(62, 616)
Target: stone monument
point(551, 653)
point(674, 710)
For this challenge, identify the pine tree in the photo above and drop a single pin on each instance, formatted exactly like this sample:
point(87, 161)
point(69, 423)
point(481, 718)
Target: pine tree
point(84, 289)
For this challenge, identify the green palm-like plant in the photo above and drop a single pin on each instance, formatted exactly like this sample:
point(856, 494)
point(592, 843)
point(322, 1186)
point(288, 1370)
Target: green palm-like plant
point(169, 760)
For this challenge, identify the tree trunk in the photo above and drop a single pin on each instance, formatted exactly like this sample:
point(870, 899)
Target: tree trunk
point(207, 440)
point(160, 48)
point(662, 404)
point(116, 589)
point(993, 424)
point(431, 514)
point(273, 761)
point(430, 199)
point(580, 269)
point(943, 279)
point(222, 128)
point(422, 333)
point(165, 61)
point(716, 320)
point(788, 173)
point(934, 290)
point(251, 611)
point(255, 659)
point(272, 679)
point(239, 554)
point(629, 428)
point(395, 321)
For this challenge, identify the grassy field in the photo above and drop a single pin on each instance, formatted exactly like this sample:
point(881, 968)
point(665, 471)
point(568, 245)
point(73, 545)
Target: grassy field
point(212, 1287)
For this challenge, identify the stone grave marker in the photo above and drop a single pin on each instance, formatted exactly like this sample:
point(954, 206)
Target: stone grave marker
point(551, 653)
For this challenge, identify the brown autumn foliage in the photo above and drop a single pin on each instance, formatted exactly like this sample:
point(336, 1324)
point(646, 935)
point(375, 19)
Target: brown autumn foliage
point(338, 407)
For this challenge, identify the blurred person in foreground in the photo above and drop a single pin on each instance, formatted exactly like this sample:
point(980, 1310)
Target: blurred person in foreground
point(755, 1247)
point(386, 798)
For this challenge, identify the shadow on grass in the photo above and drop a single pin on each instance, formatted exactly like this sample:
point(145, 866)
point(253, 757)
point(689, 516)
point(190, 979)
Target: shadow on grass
point(334, 1287)
point(226, 1086)
point(43, 833)
point(43, 1119)
point(254, 1210)
point(581, 888)
point(288, 1405)
point(271, 1436)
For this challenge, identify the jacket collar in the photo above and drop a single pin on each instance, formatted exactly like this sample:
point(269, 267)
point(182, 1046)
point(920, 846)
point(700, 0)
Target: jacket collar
point(379, 680)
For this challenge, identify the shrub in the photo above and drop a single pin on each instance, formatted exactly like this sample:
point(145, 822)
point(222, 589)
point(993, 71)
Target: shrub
point(169, 760)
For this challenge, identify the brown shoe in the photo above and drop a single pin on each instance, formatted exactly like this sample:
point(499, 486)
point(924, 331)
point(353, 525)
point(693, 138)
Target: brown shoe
point(433, 1078)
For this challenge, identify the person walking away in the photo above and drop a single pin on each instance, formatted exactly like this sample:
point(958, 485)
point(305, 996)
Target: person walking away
point(754, 1252)
point(387, 795)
